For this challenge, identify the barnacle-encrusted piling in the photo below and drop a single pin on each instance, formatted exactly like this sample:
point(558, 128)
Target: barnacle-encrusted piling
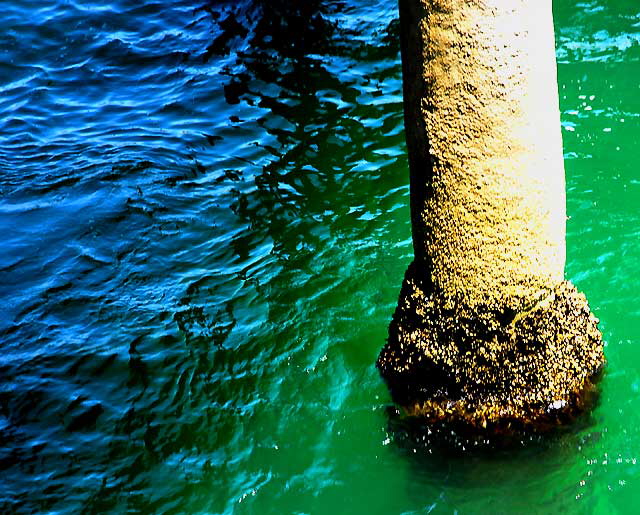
point(486, 330)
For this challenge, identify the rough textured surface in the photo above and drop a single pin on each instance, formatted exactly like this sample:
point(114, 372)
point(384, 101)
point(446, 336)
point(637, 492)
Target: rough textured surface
point(487, 368)
point(483, 132)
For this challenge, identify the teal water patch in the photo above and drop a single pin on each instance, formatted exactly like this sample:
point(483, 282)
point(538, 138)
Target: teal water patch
point(205, 225)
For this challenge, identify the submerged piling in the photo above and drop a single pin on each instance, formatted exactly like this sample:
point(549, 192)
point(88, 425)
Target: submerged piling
point(487, 332)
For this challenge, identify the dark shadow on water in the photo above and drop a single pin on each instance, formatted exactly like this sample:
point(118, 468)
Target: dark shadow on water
point(470, 471)
point(176, 376)
point(444, 442)
point(477, 471)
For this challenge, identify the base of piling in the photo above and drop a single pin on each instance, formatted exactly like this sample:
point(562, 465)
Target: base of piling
point(491, 368)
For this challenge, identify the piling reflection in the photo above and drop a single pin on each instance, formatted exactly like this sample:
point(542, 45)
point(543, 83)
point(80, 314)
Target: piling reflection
point(455, 462)
point(450, 441)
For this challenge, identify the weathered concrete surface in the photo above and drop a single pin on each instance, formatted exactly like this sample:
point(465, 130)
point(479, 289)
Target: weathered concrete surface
point(486, 328)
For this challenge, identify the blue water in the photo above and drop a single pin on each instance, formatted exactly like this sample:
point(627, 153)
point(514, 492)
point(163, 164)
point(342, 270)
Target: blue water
point(204, 224)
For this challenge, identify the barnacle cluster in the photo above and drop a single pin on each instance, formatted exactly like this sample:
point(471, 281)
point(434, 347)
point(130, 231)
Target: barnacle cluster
point(492, 368)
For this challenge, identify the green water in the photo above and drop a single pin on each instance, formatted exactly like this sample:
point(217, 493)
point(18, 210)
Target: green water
point(206, 224)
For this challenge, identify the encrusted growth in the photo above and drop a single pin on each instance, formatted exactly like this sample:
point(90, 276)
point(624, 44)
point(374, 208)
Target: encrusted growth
point(487, 367)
